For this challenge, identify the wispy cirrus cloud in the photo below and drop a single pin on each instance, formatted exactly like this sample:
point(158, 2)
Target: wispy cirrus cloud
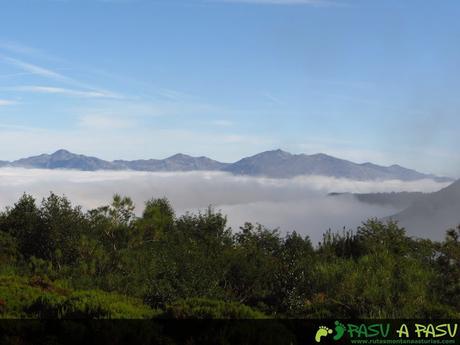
point(62, 91)
point(34, 69)
point(155, 101)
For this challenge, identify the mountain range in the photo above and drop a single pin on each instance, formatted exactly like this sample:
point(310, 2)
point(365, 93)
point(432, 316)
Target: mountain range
point(273, 164)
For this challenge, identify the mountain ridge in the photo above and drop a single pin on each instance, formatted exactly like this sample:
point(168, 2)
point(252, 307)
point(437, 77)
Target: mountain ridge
point(438, 210)
point(282, 164)
point(421, 214)
point(272, 164)
point(398, 200)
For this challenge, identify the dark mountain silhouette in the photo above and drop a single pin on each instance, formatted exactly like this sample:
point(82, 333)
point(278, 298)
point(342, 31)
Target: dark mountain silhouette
point(432, 214)
point(398, 200)
point(281, 164)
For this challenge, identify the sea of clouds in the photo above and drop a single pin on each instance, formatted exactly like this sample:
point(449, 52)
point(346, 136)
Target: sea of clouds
point(299, 204)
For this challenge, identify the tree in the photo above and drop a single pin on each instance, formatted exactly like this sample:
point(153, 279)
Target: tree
point(62, 228)
point(190, 259)
point(292, 278)
point(23, 222)
point(449, 266)
point(158, 218)
point(253, 265)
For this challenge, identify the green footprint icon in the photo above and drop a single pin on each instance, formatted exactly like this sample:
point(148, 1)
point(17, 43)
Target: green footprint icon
point(339, 330)
point(322, 331)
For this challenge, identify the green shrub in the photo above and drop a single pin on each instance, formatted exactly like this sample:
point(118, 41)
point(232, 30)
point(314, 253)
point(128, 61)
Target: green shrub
point(39, 298)
point(203, 308)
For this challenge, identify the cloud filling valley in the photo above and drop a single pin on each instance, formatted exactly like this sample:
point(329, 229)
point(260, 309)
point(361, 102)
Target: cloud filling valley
point(299, 204)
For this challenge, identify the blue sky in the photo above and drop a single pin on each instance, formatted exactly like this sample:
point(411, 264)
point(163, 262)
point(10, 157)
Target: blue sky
point(364, 80)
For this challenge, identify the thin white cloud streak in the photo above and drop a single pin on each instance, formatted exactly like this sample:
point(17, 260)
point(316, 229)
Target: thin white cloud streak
point(53, 75)
point(35, 69)
point(297, 204)
point(61, 91)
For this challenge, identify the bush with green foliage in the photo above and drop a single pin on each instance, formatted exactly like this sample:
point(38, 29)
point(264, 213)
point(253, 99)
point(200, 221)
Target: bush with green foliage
point(36, 297)
point(57, 261)
point(203, 308)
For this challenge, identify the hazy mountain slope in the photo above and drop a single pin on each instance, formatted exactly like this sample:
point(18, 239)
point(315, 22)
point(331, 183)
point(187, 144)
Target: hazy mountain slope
point(281, 164)
point(274, 164)
point(433, 213)
point(63, 159)
point(403, 173)
point(178, 162)
point(398, 200)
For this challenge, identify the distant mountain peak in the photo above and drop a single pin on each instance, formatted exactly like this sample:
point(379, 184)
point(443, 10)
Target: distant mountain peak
point(321, 156)
point(367, 164)
point(61, 151)
point(281, 164)
point(180, 156)
point(274, 164)
point(63, 154)
point(276, 153)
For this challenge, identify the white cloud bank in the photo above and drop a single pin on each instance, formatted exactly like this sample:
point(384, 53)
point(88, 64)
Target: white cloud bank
point(297, 204)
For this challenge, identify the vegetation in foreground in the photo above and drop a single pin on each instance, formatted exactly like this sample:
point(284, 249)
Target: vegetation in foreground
point(57, 261)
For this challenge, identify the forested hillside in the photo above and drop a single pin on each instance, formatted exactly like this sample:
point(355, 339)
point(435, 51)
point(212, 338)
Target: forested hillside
point(58, 261)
